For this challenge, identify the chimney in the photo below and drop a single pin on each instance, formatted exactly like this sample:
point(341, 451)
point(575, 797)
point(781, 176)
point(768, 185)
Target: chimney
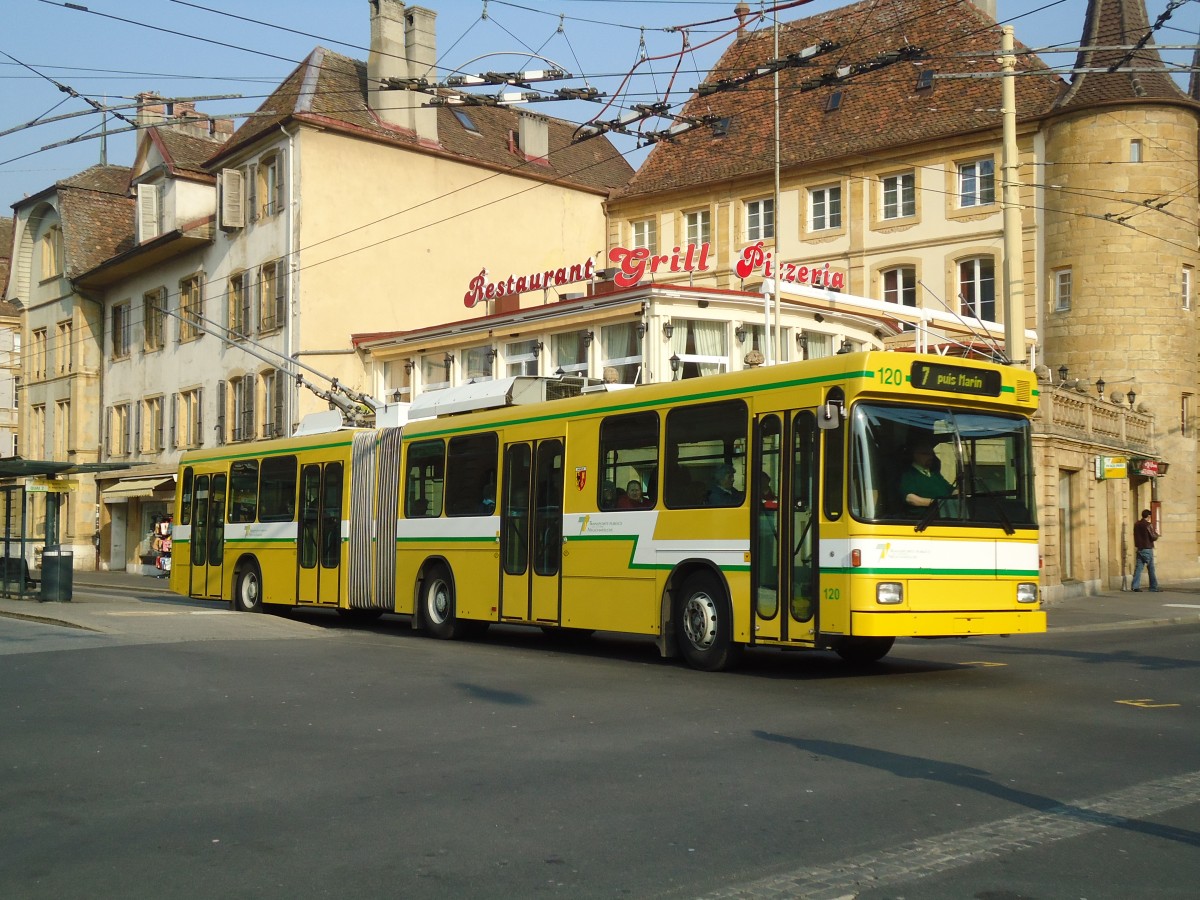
point(533, 135)
point(742, 11)
point(403, 45)
point(420, 47)
point(387, 60)
point(988, 7)
point(149, 112)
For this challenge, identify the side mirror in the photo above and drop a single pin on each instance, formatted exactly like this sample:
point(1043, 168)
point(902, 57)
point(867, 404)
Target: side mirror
point(829, 416)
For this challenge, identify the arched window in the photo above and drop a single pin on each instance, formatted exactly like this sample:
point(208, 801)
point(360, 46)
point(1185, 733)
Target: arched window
point(977, 287)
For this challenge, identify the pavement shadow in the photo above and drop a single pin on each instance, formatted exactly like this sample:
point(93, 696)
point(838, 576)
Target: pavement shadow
point(968, 778)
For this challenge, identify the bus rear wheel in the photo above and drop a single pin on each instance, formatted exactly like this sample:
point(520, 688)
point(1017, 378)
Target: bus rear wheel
point(437, 604)
point(704, 625)
point(862, 651)
point(247, 595)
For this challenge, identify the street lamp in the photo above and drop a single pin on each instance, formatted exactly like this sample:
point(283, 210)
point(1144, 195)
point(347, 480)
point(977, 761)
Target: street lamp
point(674, 366)
point(1132, 397)
point(1100, 387)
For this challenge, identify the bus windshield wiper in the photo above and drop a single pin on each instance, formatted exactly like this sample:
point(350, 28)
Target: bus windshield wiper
point(929, 515)
point(1005, 521)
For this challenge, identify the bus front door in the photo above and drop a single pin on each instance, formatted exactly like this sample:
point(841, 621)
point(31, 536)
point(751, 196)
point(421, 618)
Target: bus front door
point(319, 554)
point(531, 532)
point(783, 535)
point(208, 538)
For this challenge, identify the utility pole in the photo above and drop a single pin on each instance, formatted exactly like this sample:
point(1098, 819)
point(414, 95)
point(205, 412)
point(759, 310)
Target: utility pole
point(1014, 277)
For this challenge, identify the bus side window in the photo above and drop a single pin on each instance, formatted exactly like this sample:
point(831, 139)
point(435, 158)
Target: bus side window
point(277, 501)
point(628, 453)
point(243, 490)
point(706, 445)
point(425, 480)
point(473, 461)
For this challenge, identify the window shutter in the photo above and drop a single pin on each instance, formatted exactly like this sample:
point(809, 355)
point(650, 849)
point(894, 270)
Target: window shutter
point(277, 417)
point(221, 400)
point(250, 182)
point(174, 421)
point(147, 208)
point(108, 430)
point(249, 387)
point(137, 428)
point(128, 447)
point(233, 205)
point(280, 292)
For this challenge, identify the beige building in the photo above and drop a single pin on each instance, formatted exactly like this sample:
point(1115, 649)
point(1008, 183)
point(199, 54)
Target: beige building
point(345, 204)
point(10, 348)
point(60, 233)
point(888, 229)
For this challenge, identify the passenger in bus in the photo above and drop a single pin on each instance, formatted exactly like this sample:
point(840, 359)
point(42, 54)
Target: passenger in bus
point(921, 483)
point(608, 495)
point(722, 492)
point(487, 503)
point(634, 498)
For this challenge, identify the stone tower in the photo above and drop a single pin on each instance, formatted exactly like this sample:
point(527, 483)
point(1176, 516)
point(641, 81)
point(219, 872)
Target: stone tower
point(1120, 250)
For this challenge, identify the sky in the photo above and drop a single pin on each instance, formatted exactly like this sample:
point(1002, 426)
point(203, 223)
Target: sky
point(54, 59)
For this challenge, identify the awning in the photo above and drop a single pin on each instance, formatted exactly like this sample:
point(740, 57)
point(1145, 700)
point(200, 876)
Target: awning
point(135, 487)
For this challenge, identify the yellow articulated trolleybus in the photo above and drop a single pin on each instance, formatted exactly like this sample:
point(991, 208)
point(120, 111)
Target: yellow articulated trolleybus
point(833, 504)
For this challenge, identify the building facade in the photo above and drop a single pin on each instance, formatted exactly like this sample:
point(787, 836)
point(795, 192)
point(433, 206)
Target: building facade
point(343, 204)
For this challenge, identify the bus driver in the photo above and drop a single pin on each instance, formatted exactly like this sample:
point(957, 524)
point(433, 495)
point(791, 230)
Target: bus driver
point(921, 483)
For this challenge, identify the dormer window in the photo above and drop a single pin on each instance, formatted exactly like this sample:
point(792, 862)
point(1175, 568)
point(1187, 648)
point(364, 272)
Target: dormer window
point(465, 121)
point(834, 103)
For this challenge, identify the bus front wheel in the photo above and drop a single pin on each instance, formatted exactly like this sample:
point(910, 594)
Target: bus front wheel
point(437, 606)
point(704, 626)
point(247, 596)
point(862, 651)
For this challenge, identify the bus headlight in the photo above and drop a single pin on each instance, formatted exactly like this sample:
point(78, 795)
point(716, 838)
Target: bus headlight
point(1027, 592)
point(889, 593)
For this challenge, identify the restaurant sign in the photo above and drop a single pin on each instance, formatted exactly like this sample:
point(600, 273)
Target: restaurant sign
point(633, 264)
point(1147, 468)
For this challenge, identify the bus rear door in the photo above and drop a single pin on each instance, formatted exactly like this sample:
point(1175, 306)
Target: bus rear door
point(531, 532)
point(319, 555)
point(208, 537)
point(783, 527)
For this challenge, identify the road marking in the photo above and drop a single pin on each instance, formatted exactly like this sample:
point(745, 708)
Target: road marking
point(942, 853)
point(984, 665)
point(1183, 605)
point(1147, 703)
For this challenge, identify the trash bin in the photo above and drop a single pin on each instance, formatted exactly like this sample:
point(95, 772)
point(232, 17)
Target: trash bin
point(57, 574)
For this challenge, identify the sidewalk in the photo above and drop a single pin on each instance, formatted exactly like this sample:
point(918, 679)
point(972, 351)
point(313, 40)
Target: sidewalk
point(1177, 603)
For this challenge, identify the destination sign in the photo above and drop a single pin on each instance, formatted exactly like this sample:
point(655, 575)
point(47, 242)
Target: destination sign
point(955, 379)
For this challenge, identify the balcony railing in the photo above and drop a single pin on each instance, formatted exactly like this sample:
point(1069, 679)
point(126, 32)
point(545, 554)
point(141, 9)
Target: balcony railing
point(1066, 413)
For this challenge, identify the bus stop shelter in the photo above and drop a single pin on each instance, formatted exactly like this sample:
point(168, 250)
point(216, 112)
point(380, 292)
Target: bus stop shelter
point(21, 482)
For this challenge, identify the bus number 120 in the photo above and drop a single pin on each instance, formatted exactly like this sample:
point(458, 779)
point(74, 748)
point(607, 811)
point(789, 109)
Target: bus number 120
point(892, 376)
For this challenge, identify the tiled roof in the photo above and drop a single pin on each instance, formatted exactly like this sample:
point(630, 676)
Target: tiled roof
point(879, 110)
point(97, 216)
point(1111, 23)
point(186, 153)
point(339, 100)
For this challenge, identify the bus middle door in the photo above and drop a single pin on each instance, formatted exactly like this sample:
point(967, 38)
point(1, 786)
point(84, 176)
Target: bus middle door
point(531, 532)
point(208, 537)
point(783, 535)
point(319, 556)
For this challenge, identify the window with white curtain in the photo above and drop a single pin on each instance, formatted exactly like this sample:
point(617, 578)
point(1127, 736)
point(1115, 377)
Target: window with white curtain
point(756, 339)
point(702, 347)
point(570, 352)
point(435, 372)
point(816, 345)
point(622, 349)
point(521, 357)
point(477, 363)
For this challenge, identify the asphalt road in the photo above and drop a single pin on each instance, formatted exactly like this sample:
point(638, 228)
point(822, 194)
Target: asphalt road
point(194, 753)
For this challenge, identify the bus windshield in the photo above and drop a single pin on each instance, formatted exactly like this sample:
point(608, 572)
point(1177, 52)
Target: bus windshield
point(930, 466)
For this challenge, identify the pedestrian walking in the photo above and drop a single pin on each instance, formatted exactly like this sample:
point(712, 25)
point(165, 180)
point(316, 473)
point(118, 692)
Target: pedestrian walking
point(1144, 537)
